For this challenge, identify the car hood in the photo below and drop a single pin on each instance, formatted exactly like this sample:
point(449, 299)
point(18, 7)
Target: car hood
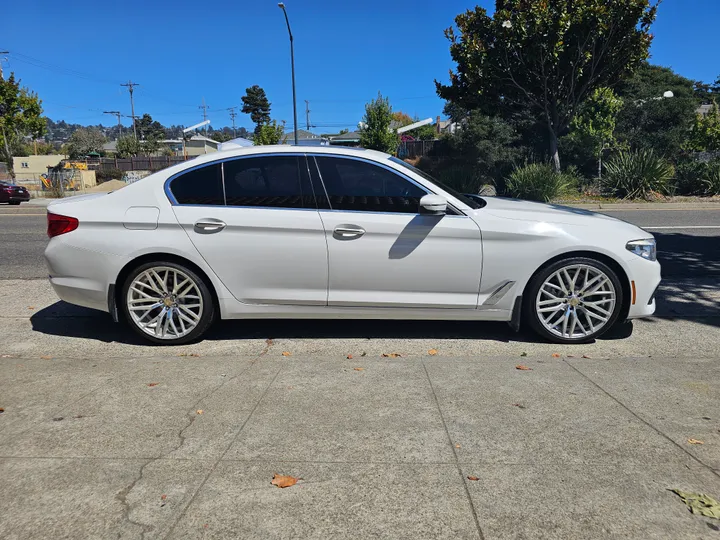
point(527, 211)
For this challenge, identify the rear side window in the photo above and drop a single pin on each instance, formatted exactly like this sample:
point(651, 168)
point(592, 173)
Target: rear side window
point(199, 186)
point(268, 181)
point(361, 186)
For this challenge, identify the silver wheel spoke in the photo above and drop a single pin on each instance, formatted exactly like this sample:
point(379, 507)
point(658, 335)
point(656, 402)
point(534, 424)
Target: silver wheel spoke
point(576, 301)
point(165, 302)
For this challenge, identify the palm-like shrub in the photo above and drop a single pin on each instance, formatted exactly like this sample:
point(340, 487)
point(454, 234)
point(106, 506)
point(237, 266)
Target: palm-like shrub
point(538, 182)
point(637, 175)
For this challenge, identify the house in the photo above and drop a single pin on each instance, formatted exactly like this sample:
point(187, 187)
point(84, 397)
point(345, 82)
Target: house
point(199, 145)
point(28, 169)
point(305, 138)
point(352, 138)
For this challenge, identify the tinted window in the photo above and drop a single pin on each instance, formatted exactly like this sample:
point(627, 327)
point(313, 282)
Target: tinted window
point(199, 186)
point(471, 202)
point(270, 181)
point(358, 185)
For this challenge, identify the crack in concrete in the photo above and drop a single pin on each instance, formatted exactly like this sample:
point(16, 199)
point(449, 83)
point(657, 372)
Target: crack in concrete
point(122, 495)
point(192, 416)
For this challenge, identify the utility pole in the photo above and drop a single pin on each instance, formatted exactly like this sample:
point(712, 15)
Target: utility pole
point(307, 114)
point(116, 113)
point(204, 108)
point(131, 86)
point(292, 65)
point(1, 61)
point(233, 114)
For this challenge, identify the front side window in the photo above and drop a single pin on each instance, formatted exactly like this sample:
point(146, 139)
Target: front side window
point(199, 186)
point(268, 181)
point(361, 186)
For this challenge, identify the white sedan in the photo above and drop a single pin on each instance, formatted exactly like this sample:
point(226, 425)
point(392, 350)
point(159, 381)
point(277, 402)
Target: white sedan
point(325, 232)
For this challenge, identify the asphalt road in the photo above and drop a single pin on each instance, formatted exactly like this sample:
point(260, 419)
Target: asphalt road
point(688, 240)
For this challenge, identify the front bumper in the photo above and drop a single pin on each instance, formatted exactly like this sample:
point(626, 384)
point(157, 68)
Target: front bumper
point(646, 276)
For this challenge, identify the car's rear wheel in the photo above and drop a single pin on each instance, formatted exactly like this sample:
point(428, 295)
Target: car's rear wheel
point(573, 300)
point(167, 303)
point(14, 202)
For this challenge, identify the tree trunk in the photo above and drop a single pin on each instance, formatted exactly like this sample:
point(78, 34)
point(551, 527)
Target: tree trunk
point(8, 156)
point(554, 154)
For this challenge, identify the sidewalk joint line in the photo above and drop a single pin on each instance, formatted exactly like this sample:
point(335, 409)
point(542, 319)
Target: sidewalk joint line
point(648, 424)
point(457, 463)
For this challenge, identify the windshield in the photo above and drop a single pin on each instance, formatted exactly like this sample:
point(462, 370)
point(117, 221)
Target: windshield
point(459, 196)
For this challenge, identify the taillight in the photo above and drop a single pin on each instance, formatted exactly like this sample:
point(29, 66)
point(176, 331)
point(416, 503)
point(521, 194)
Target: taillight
point(57, 224)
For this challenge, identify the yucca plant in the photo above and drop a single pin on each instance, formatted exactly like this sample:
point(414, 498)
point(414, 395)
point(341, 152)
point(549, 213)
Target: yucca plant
point(637, 175)
point(711, 179)
point(538, 182)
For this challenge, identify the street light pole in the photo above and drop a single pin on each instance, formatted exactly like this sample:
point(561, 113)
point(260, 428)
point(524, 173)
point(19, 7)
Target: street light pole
point(292, 64)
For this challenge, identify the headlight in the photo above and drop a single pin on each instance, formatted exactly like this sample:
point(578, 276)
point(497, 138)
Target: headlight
point(646, 248)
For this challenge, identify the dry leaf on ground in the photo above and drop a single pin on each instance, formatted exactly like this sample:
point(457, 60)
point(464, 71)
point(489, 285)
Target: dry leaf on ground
point(698, 503)
point(587, 357)
point(199, 411)
point(473, 478)
point(391, 355)
point(153, 384)
point(287, 353)
point(46, 357)
point(163, 498)
point(195, 355)
point(519, 405)
point(695, 441)
point(349, 357)
point(432, 352)
point(556, 355)
point(457, 446)
point(359, 369)
point(363, 353)
point(523, 354)
point(523, 368)
point(2, 410)
point(283, 481)
point(31, 307)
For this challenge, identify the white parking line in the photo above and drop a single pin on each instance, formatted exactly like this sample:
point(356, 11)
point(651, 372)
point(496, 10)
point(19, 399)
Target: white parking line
point(683, 227)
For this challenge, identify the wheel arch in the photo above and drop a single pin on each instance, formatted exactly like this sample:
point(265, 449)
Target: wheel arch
point(614, 265)
point(115, 292)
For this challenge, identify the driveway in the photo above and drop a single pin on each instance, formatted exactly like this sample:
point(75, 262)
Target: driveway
point(443, 437)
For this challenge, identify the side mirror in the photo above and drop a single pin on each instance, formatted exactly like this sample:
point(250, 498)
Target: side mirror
point(433, 204)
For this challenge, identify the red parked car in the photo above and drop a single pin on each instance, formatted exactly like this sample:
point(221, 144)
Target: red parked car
point(13, 194)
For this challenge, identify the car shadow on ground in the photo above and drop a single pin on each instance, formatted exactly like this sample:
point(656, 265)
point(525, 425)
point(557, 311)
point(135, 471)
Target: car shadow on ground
point(62, 319)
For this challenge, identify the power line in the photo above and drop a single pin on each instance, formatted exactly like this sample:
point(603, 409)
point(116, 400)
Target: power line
point(118, 114)
point(233, 114)
point(204, 108)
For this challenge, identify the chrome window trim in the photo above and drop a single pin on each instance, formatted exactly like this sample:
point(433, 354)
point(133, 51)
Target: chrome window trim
point(221, 162)
point(382, 165)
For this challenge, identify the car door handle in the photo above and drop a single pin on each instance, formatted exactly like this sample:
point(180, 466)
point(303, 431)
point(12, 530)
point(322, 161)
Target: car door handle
point(348, 232)
point(210, 225)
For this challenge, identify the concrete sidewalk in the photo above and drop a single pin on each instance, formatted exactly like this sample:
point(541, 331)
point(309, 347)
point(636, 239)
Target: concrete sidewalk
point(186, 447)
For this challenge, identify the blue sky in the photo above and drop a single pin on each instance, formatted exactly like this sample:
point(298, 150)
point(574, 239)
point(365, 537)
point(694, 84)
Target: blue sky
point(345, 51)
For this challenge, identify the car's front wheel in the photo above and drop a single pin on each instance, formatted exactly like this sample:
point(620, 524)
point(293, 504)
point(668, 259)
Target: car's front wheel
point(167, 303)
point(573, 300)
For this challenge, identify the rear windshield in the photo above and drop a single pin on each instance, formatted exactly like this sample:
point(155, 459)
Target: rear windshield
point(459, 196)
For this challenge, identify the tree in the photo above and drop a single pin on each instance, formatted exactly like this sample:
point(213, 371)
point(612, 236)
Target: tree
point(401, 119)
point(648, 121)
point(128, 146)
point(705, 134)
point(256, 104)
point(428, 132)
point(593, 127)
point(84, 141)
point(269, 133)
point(20, 111)
point(149, 129)
point(376, 133)
point(545, 55)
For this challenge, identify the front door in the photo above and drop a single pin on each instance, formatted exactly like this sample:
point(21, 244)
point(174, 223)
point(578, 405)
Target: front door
point(254, 220)
point(382, 251)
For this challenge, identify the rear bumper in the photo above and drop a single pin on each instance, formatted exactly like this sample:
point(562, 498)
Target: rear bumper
point(17, 197)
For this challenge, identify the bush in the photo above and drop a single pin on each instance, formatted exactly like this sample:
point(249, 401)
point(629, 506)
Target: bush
point(539, 182)
point(688, 177)
point(103, 175)
point(711, 179)
point(633, 175)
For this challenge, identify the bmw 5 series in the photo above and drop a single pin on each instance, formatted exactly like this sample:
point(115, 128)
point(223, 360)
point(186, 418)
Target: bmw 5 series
point(327, 232)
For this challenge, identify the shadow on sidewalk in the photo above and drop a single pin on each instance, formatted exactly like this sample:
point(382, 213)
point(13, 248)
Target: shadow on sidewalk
point(62, 319)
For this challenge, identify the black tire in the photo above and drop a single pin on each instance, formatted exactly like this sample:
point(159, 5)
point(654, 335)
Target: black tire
point(14, 203)
point(532, 290)
point(207, 315)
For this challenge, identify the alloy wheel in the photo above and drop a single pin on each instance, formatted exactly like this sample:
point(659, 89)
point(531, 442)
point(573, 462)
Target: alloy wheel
point(164, 302)
point(576, 301)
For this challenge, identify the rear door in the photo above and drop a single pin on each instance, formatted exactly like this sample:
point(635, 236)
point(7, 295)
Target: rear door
point(254, 220)
point(382, 251)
